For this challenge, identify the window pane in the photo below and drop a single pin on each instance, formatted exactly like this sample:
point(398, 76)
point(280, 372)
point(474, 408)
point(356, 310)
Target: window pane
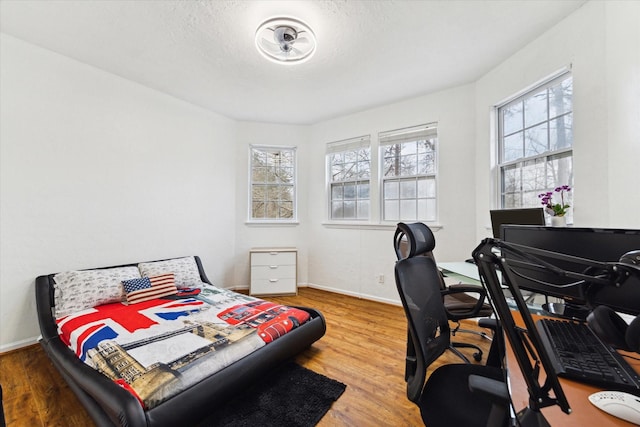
point(349, 170)
point(350, 209)
point(284, 175)
point(392, 210)
point(535, 140)
point(364, 169)
point(512, 118)
point(363, 209)
point(559, 172)
point(426, 188)
point(561, 132)
point(337, 191)
point(561, 98)
point(426, 163)
point(409, 165)
point(427, 210)
point(512, 200)
point(286, 210)
point(512, 147)
point(286, 194)
point(408, 148)
point(533, 175)
point(349, 192)
point(409, 209)
point(257, 210)
point(363, 191)
point(336, 210)
point(511, 179)
point(391, 190)
point(535, 108)
point(408, 190)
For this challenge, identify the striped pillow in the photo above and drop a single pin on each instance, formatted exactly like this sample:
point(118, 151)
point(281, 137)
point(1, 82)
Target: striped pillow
point(148, 288)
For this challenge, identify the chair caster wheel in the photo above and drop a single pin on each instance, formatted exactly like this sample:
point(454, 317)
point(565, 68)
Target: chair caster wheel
point(477, 356)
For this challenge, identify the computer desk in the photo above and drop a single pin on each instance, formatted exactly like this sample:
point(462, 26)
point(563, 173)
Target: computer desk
point(583, 413)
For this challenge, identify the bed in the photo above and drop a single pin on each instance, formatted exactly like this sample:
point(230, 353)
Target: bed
point(168, 347)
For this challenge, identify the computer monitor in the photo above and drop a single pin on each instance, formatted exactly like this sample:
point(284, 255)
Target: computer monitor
point(598, 244)
point(522, 216)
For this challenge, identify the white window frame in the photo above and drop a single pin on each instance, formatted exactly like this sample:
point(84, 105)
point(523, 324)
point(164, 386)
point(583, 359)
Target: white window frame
point(254, 185)
point(539, 162)
point(359, 203)
point(425, 180)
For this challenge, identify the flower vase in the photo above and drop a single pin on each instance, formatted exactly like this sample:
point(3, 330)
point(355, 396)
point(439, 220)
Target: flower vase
point(559, 221)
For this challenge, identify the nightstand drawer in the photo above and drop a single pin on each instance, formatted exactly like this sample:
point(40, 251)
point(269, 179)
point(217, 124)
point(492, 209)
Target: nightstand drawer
point(273, 286)
point(273, 258)
point(259, 272)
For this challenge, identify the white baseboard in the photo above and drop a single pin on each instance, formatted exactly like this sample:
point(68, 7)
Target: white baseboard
point(353, 294)
point(18, 344)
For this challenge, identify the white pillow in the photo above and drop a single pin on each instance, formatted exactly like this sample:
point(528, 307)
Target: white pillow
point(79, 290)
point(185, 270)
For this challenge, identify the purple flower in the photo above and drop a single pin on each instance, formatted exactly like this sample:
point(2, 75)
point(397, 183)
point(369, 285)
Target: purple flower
point(555, 209)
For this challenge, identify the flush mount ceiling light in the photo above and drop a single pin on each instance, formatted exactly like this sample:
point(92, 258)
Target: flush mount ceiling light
point(285, 40)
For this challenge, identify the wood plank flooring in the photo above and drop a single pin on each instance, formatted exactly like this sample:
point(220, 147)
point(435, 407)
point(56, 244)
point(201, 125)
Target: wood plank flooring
point(364, 353)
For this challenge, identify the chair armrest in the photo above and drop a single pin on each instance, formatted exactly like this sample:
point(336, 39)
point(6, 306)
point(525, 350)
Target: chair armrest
point(496, 391)
point(473, 311)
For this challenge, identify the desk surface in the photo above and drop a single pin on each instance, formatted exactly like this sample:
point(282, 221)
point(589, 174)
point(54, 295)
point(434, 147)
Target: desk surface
point(465, 269)
point(583, 412)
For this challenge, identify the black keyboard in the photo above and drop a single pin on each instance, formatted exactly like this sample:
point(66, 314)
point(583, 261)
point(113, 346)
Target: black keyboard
point(578, 354)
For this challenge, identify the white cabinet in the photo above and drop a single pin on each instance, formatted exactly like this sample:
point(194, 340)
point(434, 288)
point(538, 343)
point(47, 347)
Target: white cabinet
point(273, 271)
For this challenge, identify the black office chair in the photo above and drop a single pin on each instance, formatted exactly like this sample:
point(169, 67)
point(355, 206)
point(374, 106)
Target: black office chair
point(455, 394)
point(458, 302)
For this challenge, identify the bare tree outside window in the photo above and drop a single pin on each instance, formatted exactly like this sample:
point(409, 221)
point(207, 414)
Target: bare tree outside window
point(349, 165)
point(273, 183)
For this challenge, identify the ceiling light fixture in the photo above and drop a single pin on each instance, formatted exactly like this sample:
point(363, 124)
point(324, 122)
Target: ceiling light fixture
point(285, 40)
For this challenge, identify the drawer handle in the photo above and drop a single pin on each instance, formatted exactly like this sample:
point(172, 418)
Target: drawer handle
point(273, 280)
point(273, 267)
point(274, 253)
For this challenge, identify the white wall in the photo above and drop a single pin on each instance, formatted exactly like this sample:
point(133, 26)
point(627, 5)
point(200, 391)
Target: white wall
point(601, 43)
point(622, 50)
point(349, 260)
point(96, 171)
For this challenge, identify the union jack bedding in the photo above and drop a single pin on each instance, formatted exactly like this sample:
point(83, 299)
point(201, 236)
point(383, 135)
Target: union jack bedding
point(157, 348)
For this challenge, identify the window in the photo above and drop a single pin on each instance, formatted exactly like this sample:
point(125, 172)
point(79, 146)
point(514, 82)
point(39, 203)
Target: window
point(349, 165)
point(408, 159)
point(273, 171)
point(535, 138)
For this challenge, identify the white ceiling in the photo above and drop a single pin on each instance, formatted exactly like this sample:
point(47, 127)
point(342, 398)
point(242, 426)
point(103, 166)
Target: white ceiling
point(369, 53)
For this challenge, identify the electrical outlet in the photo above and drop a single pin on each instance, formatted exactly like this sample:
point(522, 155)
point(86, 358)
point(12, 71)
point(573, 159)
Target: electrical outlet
point(381, 278)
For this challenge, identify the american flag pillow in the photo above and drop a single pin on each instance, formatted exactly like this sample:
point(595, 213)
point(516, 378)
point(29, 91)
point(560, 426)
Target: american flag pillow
point(148, 288)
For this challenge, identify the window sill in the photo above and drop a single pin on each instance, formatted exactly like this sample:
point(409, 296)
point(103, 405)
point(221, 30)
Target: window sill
point(370, 225)
point(272, 223)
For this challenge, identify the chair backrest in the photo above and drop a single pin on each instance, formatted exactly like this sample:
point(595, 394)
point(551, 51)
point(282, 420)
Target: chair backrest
point(415, 239)
point(418, 282)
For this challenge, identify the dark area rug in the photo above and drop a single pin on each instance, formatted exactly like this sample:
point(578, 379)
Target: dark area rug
point(290, 396)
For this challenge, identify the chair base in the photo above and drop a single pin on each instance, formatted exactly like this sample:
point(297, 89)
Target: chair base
point(477, 356)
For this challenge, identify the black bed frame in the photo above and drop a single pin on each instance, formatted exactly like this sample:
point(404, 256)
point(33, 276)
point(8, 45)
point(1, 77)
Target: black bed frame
point(110, 405)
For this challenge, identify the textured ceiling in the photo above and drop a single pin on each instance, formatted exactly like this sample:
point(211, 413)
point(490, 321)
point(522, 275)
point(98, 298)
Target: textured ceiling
point(369, 53)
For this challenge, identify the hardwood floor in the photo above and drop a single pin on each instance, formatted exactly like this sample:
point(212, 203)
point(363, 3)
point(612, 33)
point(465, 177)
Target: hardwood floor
point(365, 353)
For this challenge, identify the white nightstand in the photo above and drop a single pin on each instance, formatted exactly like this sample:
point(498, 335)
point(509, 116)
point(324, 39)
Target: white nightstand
point(273, 271)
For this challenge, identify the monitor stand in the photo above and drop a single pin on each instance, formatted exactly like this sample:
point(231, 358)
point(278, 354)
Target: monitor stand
point(566, 310)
